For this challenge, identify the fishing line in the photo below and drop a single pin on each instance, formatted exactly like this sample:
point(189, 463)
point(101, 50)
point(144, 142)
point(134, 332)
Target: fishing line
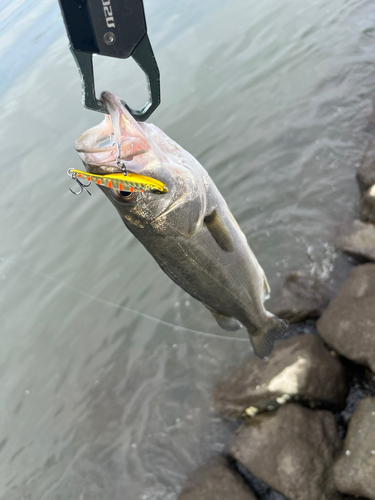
point(176, 328)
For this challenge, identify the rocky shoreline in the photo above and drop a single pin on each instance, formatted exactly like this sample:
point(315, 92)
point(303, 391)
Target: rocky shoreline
point(307, 415)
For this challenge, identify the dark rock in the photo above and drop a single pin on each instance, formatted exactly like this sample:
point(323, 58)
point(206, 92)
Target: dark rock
point(301, 298)
point(261, 490)
point(348, 324)
point(368, 205)
point(354, 470)
point(366, 171)
point(216, 481)
point(349, 497)
point(366, 182)
point(291, 450)
point(299, 368)
point(362, 385)
point(371, 117)
point(357, 239)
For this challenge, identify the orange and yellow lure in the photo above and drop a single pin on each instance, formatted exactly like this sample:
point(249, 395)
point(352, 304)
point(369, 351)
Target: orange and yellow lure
point(123, 182)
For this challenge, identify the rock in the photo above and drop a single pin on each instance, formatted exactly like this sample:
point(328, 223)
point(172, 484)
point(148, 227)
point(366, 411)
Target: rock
point(216, 481)
point(371, 117)
point(354, 470)
point(300, 298)
point(366, 171)
point(299, 368)
point(362, 385)
point(348, 324)
point(357, 239)
point(349, 497)
point(261, 490)
point(368, 205)
point(291, 450)
point(366, 182)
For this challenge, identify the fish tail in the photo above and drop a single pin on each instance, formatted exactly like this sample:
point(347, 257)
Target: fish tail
point(265, 338)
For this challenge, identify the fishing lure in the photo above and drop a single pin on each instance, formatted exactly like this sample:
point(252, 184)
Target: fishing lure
point(121, 181)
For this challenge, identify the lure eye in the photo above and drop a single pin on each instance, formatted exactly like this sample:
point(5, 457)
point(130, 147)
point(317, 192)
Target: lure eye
point(125, 193)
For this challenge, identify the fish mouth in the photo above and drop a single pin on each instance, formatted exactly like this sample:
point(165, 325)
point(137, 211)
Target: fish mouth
point(118, 138)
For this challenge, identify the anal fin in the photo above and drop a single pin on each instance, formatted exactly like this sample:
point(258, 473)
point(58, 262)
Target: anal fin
point(226, 322)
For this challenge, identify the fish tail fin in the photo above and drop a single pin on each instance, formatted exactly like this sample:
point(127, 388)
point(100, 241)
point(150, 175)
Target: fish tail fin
point(263, 342)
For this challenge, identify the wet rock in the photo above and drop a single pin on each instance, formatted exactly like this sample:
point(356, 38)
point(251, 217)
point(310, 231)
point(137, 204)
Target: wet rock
point(354, 470)
point(216, 481)
point(368, 205)
point(291, 450)
point(366, 171)
point(357, 239)
point(366, 182)
point(371, 117)
point(349, 497)
point(299, 368)
point(300, 298)
point(362, 385)
point(348, 324)
point(261, 490)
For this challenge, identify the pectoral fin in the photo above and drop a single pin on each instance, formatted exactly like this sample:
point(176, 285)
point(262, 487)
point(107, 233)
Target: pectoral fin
point(219, 231)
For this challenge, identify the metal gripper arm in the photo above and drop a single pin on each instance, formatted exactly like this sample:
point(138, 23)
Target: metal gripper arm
point(114, 28)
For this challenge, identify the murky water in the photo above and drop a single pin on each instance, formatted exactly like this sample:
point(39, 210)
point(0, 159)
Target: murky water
point(106, 365)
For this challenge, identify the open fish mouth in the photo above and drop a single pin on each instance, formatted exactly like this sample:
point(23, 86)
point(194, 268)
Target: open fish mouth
point(117, 139)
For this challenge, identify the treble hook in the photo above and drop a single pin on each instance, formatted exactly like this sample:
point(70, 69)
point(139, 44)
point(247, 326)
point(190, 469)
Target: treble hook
point(82, 186)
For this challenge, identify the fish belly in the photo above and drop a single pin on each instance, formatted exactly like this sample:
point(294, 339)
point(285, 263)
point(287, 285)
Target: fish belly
point(231, 287)
point(228, 283)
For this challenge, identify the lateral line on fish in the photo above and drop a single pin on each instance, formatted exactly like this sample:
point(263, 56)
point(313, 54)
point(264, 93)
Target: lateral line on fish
point(190, 255)
point(144, 315)
point(130, 181)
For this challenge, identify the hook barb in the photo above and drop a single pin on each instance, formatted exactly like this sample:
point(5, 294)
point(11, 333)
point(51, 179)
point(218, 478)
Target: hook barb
point(80, 184)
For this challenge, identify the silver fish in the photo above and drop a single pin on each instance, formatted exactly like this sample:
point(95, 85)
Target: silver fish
point(189, 230)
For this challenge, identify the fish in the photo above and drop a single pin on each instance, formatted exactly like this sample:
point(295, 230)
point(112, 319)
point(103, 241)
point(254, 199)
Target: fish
point(188, 229)
point(130, 181)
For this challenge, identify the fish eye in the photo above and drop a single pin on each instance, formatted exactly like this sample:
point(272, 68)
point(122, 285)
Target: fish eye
point(125, 196)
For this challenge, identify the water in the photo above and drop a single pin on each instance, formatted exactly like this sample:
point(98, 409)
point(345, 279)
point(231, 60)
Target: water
point(106, 365)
